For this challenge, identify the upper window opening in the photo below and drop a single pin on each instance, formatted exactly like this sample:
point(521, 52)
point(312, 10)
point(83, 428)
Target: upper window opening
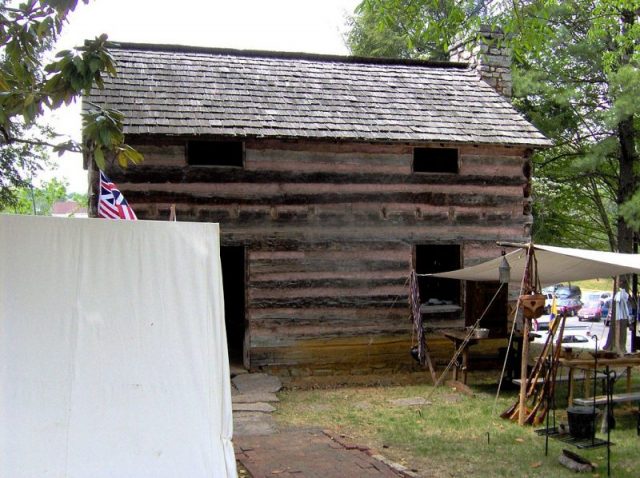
point(215, 153)
point(435, 160)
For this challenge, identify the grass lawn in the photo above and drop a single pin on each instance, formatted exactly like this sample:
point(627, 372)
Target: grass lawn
point(605, 284)
point(453, 435)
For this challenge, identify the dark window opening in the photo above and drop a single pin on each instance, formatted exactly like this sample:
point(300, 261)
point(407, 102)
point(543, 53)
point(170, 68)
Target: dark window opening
point(215, 153)
point(438, 258)
point(435, 160)
point(233, 284)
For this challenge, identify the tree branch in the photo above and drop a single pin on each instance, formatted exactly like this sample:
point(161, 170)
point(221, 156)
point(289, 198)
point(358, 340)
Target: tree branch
point(5, 134)
point(73, 146)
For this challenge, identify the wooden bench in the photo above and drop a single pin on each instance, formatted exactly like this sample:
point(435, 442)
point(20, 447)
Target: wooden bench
point(564, 378)
point(601, 400)
point(626, 361)
point(586, 376)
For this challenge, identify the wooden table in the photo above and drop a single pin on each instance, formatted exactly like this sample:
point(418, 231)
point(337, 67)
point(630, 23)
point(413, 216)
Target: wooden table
point(458, 338)
point(626, 361)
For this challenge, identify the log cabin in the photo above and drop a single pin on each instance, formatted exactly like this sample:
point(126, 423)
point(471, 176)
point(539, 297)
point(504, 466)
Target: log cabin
point(332, 178)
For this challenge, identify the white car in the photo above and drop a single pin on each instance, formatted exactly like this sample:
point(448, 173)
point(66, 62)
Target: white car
point(541, 323)
point(570, 340)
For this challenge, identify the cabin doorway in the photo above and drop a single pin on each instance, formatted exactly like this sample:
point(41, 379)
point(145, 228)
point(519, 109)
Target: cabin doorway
point(489, 301)
point(232, 259)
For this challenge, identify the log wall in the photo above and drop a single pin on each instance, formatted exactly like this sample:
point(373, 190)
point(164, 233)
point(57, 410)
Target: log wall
point(329, 231)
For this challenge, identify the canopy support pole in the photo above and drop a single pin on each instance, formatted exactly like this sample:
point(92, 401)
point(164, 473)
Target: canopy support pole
point(522, 403)
point(529, 282)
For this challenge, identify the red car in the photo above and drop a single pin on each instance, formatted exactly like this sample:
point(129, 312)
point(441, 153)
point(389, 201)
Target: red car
point(592, 308)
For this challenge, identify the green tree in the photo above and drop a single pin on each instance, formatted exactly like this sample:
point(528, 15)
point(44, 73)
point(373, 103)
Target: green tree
point(30, 84)
point(80, 198)
point(366, 37)
point(576, 77)
point(412, 28)
point(37, 201)
point(21, 161)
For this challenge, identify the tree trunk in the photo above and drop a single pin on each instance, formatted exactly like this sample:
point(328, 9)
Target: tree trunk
point(628, 155)
point(627, 181)
point(603, 214)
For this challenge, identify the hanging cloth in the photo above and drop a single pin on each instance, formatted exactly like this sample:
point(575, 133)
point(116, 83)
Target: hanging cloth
point(423, 356)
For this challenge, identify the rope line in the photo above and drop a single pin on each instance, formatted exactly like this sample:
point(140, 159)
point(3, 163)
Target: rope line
point(465, 341)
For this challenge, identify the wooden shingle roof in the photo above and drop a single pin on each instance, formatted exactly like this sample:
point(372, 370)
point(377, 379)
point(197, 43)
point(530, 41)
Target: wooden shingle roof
point(177, 90)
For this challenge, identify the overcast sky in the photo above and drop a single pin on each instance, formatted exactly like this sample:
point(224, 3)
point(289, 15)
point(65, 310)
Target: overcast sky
point(310, 26)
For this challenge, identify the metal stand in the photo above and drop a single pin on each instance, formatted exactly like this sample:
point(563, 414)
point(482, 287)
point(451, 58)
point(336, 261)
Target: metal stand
point(554, 432)
point(609, 417)
point(595, 385)
point(551, 405)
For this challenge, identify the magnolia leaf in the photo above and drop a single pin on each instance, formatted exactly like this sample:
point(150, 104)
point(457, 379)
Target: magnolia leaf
point(94, 65)
point(63, 54)
point(104, 136)
point(29, 113)
point(132, 155)
point(98, 156)
point(4, 84)
point(79, 64)
point(122, 159)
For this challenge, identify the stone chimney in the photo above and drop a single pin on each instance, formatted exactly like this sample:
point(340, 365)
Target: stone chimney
point(488, 57)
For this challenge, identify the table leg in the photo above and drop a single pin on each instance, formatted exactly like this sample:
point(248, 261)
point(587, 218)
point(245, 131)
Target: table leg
point(456, 366)
point(628, 379)
point(608, 422)
point(465, 363)
point(570, 397)
point(586, 389)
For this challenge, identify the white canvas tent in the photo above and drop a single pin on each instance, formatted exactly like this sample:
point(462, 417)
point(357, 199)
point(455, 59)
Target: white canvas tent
point(555, 265)
point(112, 350)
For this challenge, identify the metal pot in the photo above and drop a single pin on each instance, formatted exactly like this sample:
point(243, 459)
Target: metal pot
point(582, 421)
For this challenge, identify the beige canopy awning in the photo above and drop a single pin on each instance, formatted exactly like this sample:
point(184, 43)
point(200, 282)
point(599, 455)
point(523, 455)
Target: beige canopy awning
point(555, 265)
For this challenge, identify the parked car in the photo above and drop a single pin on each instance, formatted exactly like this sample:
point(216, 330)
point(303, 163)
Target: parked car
point(541, 323)
point(574, 339)
point(568, 291)
point(568, 306)
point(591, 308)
point(567, 298)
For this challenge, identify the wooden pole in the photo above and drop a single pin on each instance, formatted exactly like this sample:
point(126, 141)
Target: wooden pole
point(611, 342)
point(524, 360)
point(634, 295)
point(523, 372)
